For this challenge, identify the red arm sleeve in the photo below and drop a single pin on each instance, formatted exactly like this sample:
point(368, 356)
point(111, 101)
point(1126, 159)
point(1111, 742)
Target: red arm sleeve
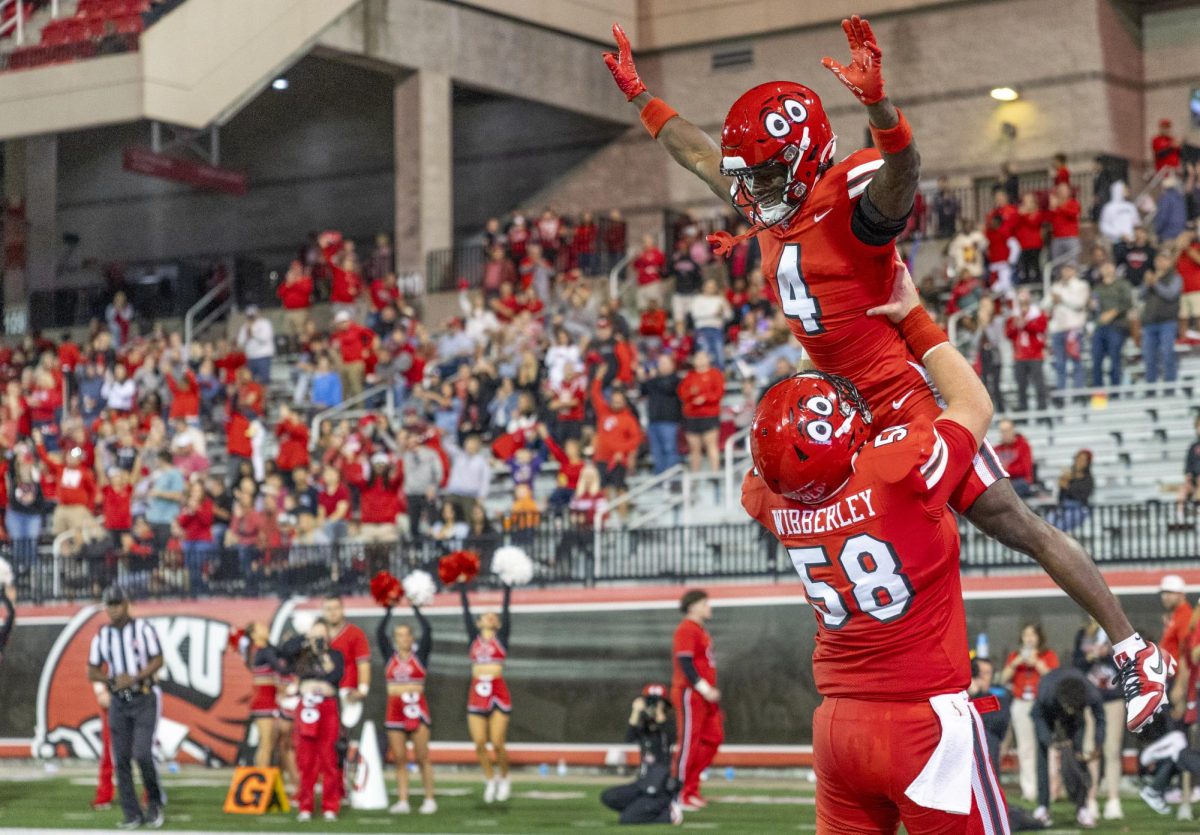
point(598, 402)
point(556, 451)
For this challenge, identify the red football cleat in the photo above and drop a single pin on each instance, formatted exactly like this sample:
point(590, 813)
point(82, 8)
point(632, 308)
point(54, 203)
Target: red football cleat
point(1144, 681)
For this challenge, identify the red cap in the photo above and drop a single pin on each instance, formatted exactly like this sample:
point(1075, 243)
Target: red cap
point(655, 690)
point(366, 420)
point(603, 323)
point(1164, 123)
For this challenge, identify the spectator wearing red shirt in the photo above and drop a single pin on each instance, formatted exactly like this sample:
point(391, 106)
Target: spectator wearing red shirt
point(518, 237)
point(1021, 674)
point(346, 281)
point(116, 502)
point(567, 400)
point(649, 266)
point(999, 228)
point(185, 396)
point(1177, 614)
point(384, 293)
point(333, 504)
point(229, 360)
point(293, 442)
point(69, 355)
point(193, 526)
point(497, 272)
point(45, 401)
point(247, 533)
point(295, 294)
point(618, 435)
point(1016, 457)
point(382, 510)
point(1028, 231)
point(1166, 147)
point(652, 327)
point(353, 342)
point(77, 496)
point(1064, 223)
point(583, 244)
point(1188, 265)
point(614, 239)
point(1062, 175)
point(1026, 329)
point(700, 393)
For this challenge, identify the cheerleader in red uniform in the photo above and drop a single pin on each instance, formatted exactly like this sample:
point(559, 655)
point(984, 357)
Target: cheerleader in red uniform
point(488, 703)
point(265, 667)
point(406, 667)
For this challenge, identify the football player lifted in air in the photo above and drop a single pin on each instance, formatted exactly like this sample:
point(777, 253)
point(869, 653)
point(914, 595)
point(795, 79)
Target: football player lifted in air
point(827, 232)
point(864, 516)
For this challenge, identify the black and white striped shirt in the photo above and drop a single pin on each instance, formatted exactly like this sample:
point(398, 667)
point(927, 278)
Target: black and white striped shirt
point(126, 650)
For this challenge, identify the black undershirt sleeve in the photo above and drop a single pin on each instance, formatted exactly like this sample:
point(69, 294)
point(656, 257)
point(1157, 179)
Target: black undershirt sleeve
point(472, 630)
point(870, 225)
point(689, 668)
point(381, 635)
point(505, 621)
point(425, 644)
point(10, 618)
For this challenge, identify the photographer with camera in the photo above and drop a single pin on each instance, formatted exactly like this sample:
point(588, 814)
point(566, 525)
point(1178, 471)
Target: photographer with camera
point(648, 799)
point(319, 669)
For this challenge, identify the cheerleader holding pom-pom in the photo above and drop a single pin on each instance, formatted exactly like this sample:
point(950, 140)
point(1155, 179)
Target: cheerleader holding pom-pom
point(407, 665)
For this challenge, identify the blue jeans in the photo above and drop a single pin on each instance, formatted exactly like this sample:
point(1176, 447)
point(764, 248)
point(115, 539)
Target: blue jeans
point(1158, 350)
point(260, 369)
point(664, 444)
point(1058, 343)
point(1069, 515)
point(712, 342)
point(1107, 341)
point(196, 555)
point(23, 530)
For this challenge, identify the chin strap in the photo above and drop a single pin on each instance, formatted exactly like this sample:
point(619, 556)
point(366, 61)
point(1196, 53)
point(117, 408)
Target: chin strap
point(723, 243)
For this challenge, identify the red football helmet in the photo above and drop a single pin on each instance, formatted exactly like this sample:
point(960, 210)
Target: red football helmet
point(776, 143)
point(805, 434)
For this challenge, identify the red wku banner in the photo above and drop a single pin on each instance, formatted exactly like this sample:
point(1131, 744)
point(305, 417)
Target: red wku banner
point(145, 161)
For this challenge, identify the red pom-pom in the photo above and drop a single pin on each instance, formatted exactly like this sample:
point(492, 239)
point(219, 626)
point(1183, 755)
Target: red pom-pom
point(458, 564)
point(386, 589)
point(235, 638)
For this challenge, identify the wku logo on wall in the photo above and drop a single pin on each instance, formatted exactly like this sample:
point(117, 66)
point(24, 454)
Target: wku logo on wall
point(206, 688)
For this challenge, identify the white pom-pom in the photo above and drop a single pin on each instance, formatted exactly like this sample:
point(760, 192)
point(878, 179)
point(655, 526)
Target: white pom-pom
point(419, 588)
point(512, 565)
point(303, 619)
point(6, 574)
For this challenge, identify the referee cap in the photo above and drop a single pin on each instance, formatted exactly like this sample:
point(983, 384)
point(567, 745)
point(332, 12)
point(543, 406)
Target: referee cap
point(115, 594)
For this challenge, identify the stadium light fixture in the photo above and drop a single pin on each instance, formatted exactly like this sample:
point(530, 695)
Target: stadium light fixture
point(280, 84)
point(1005, 94)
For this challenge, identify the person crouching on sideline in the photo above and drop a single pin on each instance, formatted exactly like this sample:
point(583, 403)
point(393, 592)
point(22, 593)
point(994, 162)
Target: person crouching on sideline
point(319, 670)
point(649, 798)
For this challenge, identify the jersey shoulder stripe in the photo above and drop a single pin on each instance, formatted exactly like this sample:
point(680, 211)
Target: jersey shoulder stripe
point(933, 469)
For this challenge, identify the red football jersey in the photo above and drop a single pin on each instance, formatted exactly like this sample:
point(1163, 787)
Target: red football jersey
point(879, 563)
point(351, 642)
point(827, 279)
point(692, 641)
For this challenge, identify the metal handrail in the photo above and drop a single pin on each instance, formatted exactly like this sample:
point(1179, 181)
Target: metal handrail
point(614, 275)
point(1159, 176)
point(16, 23)
point(667, 475)
point(1048, 272)
point(730, 478)
point(56, 561)
point(189, 330)
point(343, 409)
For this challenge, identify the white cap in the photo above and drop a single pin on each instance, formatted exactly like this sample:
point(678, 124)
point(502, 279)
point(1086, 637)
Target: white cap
point(342, 316)
point(1173, 583)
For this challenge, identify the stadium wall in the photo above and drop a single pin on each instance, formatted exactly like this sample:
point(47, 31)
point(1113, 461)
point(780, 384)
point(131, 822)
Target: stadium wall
point(578, 657)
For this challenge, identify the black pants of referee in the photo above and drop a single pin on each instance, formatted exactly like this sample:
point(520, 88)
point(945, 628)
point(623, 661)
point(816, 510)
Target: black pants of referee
point(133, 723)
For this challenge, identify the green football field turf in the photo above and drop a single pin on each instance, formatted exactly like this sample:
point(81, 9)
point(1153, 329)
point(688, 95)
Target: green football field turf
point(539, 805)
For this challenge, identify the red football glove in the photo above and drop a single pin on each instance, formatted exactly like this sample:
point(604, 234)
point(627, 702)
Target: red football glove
point(621, 66)
point(864, 76)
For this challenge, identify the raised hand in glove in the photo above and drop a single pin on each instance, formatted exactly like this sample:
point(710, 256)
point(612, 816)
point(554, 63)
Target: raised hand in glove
point(621, 66)
point(864, 76)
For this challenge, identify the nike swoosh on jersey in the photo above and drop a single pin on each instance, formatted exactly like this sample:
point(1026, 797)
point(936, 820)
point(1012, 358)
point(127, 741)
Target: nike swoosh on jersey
point(818, 218)
point(896, 404)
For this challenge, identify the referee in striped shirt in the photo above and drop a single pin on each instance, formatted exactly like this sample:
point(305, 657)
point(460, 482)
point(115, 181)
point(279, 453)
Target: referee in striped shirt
point(130, 649)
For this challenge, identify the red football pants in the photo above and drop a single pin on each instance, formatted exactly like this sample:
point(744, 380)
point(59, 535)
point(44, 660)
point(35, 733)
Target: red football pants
point(701, 730)
point(866, 754)
point(104, 782)
point(316, 735)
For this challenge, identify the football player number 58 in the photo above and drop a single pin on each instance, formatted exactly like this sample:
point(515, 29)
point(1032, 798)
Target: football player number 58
point(794, 297)
point(880, 589)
